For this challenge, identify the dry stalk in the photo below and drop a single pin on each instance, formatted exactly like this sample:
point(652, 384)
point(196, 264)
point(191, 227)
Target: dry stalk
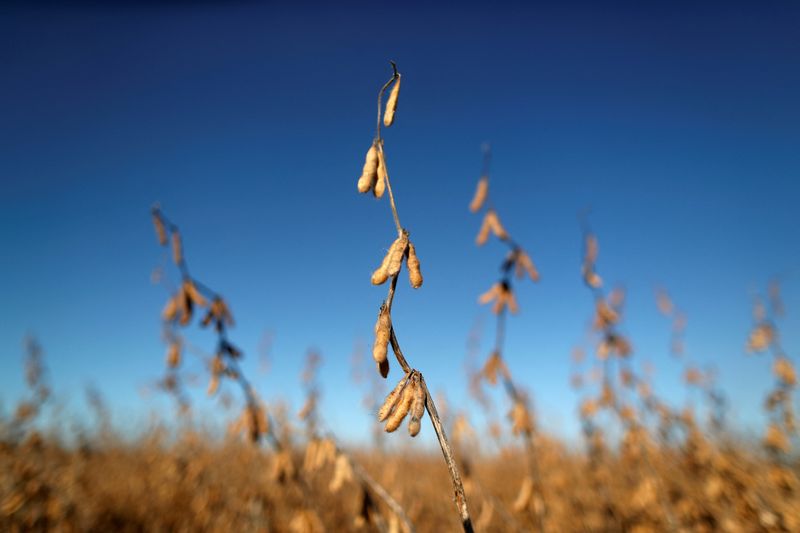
point(402, 249)
point(518, 263)
point(179, 312)
point(615, 346)
point(255, 420)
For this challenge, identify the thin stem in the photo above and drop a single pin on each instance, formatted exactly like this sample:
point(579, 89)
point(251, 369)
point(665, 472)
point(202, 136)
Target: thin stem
point(391, 194)
point(398, 353)
point(458, 487)
point(378, 489)
point(447, 452)
point(487, 158)
point(500, 332)
point(395, 75)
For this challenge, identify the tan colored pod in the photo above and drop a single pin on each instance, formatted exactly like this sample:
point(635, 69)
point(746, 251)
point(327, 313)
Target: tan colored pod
point(483, 233)
point(262, 420)
point(760, 338)
point(161, 231)
point(520, 419)
point(380, 184)
point(414, 425)
point(185, 304)
point(784, 370)
point(381, 273)
point(396, 254)
point(490, 295)
point(500, 303)
point(174, 355)
point(192, 292)
point(524, 496)
point(370, 171)
point(414, 273)
point(171, 309)
point(213, 385)
point(590, 277)
point(382, 328)
point(776, 439)
point(605, 316)
point(392, 261)
point(511, 301)
point(391, 104)
point(401, 408)
point(495, 226)
point(664, 303)
point(343, 472)
point(481, 192)
point(525, 264)
point(417, 410)
point(493, 365)
point(391, 399)
point(308, 407)
point(177, 248)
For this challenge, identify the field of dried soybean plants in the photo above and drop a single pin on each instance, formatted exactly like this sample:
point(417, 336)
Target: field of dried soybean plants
point(643, 465)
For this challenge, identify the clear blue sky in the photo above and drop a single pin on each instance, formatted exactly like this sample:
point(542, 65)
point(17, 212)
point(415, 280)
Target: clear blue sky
point(678, 124)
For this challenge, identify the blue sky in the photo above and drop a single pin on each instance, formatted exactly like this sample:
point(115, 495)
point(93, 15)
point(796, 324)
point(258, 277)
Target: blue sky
point(678, 124)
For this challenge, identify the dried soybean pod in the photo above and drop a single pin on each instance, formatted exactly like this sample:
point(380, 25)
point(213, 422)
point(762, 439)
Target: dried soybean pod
point(174, 355)
point(590, 277)
point(213, 385)
point(383, 327)
point(490, 295)
point(185, 306)
point(381, 273)
point(483, 233)
point(391, 104)
point(524, 496)
point(161, 231)
point(380, 185)
point(401, 408)
point(171, 309)
point(414, 273)
point(495, 225)
point(480, 194)
point(417, 409)
point(370, 171)
point(500, 303)
point(391, 261)
point(396, 254)
point(177, 248)
point(391, 399)
point(192, 292)
point(342, 472)
point(525, 264)
point(511, 302)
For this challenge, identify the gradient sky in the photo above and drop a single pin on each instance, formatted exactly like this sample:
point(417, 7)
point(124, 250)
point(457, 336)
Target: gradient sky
point(679, 125)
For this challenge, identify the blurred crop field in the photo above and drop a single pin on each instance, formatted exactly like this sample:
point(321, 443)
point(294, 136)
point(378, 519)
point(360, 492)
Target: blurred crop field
point(192, 483)
point(668, 475)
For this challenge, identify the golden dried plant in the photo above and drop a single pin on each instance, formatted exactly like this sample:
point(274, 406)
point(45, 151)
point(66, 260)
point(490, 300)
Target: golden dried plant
point(516, 263)
point(179, 312)
point(413, 395)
